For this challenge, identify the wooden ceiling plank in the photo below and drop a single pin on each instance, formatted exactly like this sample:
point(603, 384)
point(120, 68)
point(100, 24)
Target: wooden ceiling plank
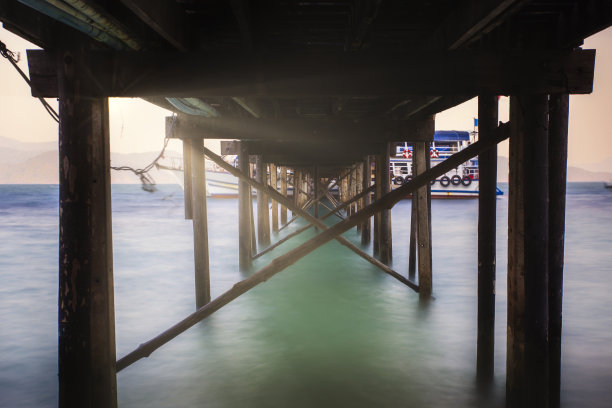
point(469, 21)
point(165, 17)
point(241, 12)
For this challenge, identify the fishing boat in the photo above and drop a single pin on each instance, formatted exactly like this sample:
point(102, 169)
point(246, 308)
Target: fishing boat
point(219, 183)
point(462, 182)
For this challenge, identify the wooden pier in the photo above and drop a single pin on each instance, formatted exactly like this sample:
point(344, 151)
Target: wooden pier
point(317, 93)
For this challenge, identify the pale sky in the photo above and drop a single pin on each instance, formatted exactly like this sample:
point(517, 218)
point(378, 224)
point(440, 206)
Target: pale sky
point(137, 126)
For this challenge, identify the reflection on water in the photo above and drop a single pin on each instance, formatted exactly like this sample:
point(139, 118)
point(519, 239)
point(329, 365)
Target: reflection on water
point(329, 331)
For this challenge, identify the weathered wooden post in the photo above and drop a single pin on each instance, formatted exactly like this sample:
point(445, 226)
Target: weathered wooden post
point(366, 231)
point(344, 188)
point(274, 184)
point(419, 157)
point(244, 211)
point(353, 187)
point(359, 189)
point(377, 195)
point(86, 335)
point(527, 378)
point(187, 178)
point(316, 194)
point(487, 196)
point(200, 224)
point(412, 254)
point(283, 191)
point(386, 242)
point(263, 214)
point(557, 159)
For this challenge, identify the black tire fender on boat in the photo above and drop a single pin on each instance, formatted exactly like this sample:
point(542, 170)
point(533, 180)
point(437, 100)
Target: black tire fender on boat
point(444, 181)
point(398, 181)
point(432, 182)
point(466, 181)
point(456, 180)
point(407, 179)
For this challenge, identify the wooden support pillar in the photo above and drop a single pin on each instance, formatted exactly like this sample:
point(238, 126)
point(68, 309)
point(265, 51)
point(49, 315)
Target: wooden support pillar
point(359, 189)
point(86, 332)
point(412, 255)
point(487, 170)
point(557, 159)
point(527, 378)
point(274, 184)
point(316, 193)
point(378, 194)
point(386, 241)
point(244, 211)
point(187, 178)
point(200, 224)
point(283, 191)
point(366, 231)
point(420, 155)
point(353, 187)
point(251, 212)
point(344, 188)
point(263, 214)
point(297, 184)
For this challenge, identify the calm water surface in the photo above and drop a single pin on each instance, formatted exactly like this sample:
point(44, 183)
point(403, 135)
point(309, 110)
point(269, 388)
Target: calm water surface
point(330, 331)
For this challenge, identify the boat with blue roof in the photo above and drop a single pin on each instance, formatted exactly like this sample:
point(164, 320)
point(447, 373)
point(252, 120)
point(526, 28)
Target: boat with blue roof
point(461, 182)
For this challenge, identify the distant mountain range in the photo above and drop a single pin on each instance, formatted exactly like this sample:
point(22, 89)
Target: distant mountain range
point(37, 163)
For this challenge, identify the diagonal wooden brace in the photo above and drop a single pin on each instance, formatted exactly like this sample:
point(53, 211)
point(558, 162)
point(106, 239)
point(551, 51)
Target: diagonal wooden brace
point(289, 258)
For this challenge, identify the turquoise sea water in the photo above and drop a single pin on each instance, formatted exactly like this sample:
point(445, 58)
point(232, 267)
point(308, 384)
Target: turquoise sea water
point(330, 331)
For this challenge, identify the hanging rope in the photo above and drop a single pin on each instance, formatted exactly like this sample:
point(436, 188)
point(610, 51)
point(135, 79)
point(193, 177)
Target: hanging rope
point(148, 183)
point(14, 59)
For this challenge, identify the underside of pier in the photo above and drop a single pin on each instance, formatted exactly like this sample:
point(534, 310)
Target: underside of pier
point(315, 93)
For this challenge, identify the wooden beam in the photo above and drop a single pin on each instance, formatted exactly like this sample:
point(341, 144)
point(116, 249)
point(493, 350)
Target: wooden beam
point(469, 21)
point(345, 74)
point(243, 18)
point(585, 19)
point(364, 15)
point(289, 258)
point(86, 335)
point(36, 27)
point(250, 105)
point(165, 17)
point(307, 131)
